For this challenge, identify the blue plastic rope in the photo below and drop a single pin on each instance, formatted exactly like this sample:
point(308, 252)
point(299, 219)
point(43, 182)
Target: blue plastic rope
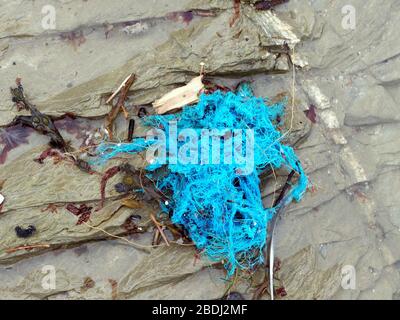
point(221, 209)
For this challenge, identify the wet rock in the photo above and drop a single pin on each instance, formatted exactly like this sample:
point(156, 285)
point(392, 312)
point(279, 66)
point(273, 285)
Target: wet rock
point(60, 229)
point(206, 40)
point(163, 266)
point(301, 278)
point(366, 109)
point(353, 83)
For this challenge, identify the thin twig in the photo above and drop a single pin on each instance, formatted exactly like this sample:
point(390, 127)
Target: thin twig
point(159, 229)
point(156, 237)
point(231, 284)
point(120, 104)
point(118, 90)
point(134, 244)
point(27, 247)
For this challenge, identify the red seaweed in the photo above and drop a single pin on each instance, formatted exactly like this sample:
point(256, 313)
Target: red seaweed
point(311, 113)
point(11, 138)
point(236, 14)
point(268, 4)
point(106, 176)
point(178, 16)
point(281, 292)
point(88, 283)
point(83, 211)
point(84, 166)
point(75, 38)
point(73, 209)
point(74, 126)
point(49, 153)
point(212, 87)
point(52, 207)
point(84, 217)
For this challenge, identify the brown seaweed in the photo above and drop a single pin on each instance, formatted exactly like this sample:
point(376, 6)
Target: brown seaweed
point(130, 223)
point(40, 122)
point(131, 181)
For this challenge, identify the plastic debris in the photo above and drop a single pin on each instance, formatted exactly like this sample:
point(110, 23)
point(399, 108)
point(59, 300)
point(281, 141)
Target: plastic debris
point(219, 206)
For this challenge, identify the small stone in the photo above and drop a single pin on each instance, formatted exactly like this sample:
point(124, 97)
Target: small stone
point(323, 250)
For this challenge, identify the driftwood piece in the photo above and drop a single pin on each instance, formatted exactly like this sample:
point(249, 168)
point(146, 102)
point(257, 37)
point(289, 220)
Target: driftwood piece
point(124, 88)
point(180, 97)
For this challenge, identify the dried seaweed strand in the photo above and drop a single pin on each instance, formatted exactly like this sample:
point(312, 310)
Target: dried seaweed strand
point(159, 229)
point(106, 176)
point(27, 247)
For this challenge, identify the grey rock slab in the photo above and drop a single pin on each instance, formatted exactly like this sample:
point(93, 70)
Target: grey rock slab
point(60, 229)
point(163, 266)
point(172, 61)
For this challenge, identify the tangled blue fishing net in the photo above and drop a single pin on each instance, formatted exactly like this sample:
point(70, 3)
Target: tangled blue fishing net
point(215, 196)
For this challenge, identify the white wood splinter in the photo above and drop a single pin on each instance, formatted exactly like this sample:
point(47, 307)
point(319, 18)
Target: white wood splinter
point(180, 97)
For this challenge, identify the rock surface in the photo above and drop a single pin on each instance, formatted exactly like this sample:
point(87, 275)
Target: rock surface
point(350, 78)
